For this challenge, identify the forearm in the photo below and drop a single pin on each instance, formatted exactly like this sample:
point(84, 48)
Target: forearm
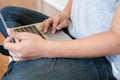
point(67, 9)
point(102, 44)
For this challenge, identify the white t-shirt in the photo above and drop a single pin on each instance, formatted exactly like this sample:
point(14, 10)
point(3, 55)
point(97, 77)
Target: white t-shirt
point(94, 16)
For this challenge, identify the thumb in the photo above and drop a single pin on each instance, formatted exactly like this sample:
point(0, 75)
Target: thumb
point(17, 35)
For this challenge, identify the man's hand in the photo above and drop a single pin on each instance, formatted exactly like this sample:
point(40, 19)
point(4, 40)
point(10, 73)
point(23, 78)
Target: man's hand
point(57, 21)
point(30, 46)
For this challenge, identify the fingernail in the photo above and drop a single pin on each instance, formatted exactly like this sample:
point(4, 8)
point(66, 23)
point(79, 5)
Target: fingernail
point(53, 32)
point(45, 31)
point(9, 31)
point(40, 28)
point(58, 28)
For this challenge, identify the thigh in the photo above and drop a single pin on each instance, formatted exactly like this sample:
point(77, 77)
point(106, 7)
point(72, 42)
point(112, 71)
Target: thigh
point(22, 15)
point(53, 69)
point(16, 16)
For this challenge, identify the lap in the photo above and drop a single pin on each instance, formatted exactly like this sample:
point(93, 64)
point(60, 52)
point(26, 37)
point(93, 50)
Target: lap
point(53, 69)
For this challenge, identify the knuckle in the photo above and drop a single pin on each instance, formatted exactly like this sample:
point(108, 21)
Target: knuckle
point(46, 26)
point(65, 24)
point(46, 20)
point(55, 21)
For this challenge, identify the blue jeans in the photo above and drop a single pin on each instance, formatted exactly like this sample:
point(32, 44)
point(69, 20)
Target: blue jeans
point(55, 68)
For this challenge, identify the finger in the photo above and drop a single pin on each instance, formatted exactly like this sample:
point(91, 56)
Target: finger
point(48, 23)
point(44, 26)
point(8, 42)
point(18, 59)
point(9, 45)
point(55, 23)
point(8, 39)
point(17, 54)
point(21, 58)
point(12, 53)
point(18, 35)
point(62, 25)
point(10, 32)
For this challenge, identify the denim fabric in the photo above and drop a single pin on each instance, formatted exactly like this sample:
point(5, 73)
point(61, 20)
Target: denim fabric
point(51, 69)
point(60, 69)
point(15, 17)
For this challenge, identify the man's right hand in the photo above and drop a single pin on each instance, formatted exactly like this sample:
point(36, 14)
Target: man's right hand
point(57, 22)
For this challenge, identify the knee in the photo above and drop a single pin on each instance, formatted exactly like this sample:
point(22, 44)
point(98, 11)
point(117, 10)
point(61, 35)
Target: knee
point(7, 10)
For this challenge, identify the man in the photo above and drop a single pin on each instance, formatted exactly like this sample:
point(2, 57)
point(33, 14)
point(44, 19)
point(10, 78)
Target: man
point(97, 34)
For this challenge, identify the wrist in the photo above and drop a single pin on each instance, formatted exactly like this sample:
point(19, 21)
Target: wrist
point(48, 49)
point(67, 9)
point(65, 14)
